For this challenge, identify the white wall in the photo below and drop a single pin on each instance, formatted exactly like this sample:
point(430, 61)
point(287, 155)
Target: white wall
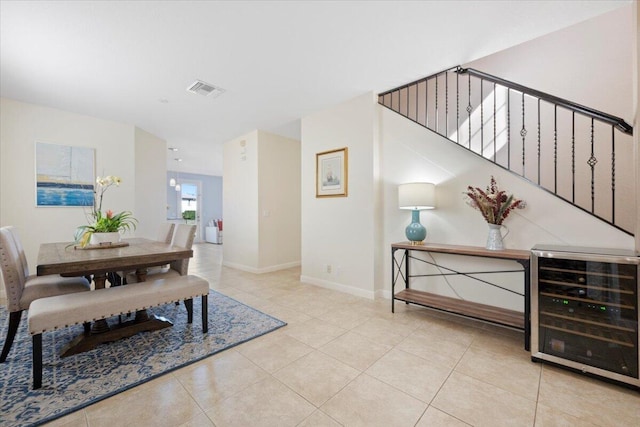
point(278, 201)
point(340, 231)
point(138, 157)
point(590, 63)
point(150, 153)
point(240, 202)
point(261, 202)
point(21, 125)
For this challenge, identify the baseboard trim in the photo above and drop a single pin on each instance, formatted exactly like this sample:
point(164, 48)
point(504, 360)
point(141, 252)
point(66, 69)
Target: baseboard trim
point(262, 270)
point(383, 294)
point(338, 287)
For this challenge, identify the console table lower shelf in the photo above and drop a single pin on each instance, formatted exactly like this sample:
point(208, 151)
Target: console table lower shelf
point(501, 316)
point(401, 274)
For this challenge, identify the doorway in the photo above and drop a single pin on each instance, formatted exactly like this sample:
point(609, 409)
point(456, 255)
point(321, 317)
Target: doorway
point(190, 204)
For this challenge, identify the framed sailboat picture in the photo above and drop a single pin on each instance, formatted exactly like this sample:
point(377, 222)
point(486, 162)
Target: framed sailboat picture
point(331, 173)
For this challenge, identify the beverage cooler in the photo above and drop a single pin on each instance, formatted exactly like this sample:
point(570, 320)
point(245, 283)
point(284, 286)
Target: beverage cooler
point(584, 310)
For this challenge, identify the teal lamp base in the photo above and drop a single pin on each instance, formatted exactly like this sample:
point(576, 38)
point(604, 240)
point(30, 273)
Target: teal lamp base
point(415, 232)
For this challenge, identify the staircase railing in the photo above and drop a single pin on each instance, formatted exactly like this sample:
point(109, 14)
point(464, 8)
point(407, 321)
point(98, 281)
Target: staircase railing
point(553, 143)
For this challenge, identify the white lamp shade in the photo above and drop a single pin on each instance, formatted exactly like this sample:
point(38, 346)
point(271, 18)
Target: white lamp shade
point(417, 196)
point(172, 182)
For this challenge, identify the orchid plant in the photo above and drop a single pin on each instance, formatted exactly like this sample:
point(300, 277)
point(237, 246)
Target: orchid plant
point(494, 204)
point(109, 221)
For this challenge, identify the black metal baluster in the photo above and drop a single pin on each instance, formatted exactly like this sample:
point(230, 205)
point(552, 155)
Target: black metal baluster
point(573, 157)
point(592, 164)
point(457, 108)
point(446, 104)
point(417, 118)
point(407, 89)
point(482, 117)
point(426, 103)
point(494, 125)
point(555, 149)
point(469, 109)
point(538, 141)
point(437, 115)
point(613, 175)
point(508, 128)
point(523, 133)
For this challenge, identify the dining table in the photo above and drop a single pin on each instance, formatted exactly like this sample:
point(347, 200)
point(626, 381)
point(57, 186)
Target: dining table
point(97, 262)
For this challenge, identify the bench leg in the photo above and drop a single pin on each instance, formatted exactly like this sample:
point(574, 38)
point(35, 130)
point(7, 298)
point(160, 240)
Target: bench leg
point(14, 321)
point(37, 361)
point(188, 303)
point(205, 313)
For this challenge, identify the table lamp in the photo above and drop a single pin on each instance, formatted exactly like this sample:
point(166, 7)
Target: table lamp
point(416, 196)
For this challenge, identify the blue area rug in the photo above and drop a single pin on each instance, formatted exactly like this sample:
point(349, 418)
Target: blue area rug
point(77, 381)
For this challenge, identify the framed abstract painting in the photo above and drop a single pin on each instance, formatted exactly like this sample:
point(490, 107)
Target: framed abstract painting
point(65, 175)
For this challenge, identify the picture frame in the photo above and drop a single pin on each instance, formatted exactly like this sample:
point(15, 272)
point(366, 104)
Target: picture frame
point(65, 175)
point(332, 170)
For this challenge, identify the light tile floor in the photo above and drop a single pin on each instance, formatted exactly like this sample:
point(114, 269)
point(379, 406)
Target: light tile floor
point(349, 361)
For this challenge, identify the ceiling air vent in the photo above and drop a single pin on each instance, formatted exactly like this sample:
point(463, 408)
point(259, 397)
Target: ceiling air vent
point(205, 89)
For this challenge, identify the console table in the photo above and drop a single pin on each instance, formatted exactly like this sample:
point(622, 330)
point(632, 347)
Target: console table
point(401, 272)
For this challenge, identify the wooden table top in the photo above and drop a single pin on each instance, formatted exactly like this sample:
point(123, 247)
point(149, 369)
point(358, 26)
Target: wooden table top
point(63, 258)
point(514, 254)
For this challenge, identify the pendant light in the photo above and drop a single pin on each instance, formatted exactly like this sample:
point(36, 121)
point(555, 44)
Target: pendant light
point(172, 181)
point(177, 181)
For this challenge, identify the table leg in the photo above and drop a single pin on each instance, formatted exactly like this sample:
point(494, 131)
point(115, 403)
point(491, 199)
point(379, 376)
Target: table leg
point(141, 276)
point(99, 326)
point(100, 279)
point(101, 332)
point(84, 342)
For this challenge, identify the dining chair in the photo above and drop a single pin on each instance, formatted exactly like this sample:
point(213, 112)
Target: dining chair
point(22, 288)
point(165, 234)
point(183, 236)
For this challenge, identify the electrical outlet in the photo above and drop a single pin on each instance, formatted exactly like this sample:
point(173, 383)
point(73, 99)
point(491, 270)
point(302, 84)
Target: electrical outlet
point(329, 268)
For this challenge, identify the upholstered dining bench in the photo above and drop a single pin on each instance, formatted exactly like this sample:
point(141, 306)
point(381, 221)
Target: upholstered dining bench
point(47, 314)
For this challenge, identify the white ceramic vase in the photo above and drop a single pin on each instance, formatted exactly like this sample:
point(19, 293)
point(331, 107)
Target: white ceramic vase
point(494, 240)
point(105, 238)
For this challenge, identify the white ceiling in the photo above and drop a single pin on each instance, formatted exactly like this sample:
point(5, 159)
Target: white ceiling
point(277, 60)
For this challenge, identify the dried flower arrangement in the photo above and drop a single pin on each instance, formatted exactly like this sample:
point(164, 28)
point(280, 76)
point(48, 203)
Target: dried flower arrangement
point(494, 204)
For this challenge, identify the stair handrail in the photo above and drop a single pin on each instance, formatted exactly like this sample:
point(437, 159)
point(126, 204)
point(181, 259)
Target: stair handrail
point(618, 122)
point(423, 79)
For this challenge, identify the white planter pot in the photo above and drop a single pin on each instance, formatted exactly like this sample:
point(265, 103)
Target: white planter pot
point(104, 238)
